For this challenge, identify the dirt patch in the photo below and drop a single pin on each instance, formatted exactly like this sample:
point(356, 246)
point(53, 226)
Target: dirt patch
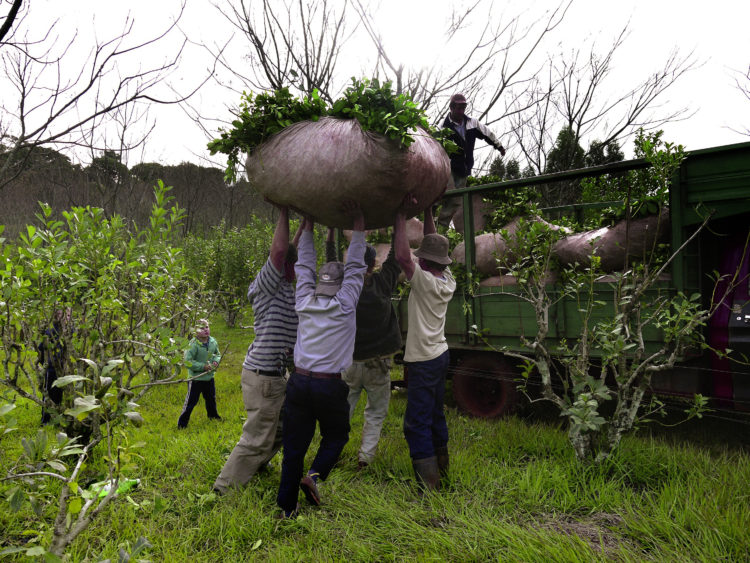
point(598, 530)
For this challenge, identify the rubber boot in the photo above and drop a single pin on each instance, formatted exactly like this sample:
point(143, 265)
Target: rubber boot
point(427, 472)
point(443, 460)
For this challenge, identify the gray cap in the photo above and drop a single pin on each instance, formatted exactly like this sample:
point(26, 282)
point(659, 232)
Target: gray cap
point(434, 247)
point(330, 277)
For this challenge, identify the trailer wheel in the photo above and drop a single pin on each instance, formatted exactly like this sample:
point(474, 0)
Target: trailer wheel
point(484, 385)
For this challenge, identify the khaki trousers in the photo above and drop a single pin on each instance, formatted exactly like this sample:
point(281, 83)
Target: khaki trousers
point(263, 397)
point(374, 376)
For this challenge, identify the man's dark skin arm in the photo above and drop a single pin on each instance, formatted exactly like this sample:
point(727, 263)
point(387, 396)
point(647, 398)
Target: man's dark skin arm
point(429, 222)
point(280, 243)
point(400, 240)
point(331, 245)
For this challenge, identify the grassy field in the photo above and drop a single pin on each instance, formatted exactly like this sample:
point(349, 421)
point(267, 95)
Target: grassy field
point(516, 493)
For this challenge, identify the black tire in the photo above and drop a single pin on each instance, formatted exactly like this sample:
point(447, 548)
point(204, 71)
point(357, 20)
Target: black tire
point(484, 385)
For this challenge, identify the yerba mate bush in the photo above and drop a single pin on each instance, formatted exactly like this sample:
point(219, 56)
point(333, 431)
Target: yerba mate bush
point(227, 260)
point(601, 381)
point(131, 303)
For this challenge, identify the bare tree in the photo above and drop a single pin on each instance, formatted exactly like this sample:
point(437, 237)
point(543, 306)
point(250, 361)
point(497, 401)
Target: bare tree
point(62, 100)
point(294, 43)
point(5, 28)
point(499, 59)
point(742, 81)
point(298, 44)
point(576, 95)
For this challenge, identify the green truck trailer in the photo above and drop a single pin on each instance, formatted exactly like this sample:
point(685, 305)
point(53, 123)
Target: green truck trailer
point(713, 181)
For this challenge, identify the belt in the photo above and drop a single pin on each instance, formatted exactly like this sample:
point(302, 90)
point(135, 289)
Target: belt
point(317, 374)
point(269, 373)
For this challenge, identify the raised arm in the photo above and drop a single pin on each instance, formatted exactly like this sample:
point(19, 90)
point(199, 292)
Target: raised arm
point(400, 240)
point(305, 266)
point(280, 243)
point(429, 222)
point(331, 245)
point(295, 240)
point(354, 269)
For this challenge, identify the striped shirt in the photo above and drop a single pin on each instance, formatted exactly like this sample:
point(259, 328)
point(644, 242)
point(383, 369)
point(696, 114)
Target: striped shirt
point(272, 298)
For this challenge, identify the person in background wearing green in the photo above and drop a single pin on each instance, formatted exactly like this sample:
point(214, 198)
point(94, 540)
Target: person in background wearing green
point(201, 359)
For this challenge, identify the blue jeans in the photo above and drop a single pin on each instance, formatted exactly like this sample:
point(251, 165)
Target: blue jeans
point(310, 400)
point(425, 427)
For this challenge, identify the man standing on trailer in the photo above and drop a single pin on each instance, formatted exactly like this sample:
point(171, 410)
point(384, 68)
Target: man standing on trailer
point(466, 130)
point(426, 353)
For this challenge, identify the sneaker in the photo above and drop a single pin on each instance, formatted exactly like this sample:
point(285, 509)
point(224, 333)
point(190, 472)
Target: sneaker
point(308, 486)
point(361, 465)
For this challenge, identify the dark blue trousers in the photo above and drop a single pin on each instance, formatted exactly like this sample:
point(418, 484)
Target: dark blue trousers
point(425, 427)
point(310, 400)
point(197, 388)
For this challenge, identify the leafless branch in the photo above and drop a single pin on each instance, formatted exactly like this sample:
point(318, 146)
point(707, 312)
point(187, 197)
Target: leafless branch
point(53, 107)
point(742, 82)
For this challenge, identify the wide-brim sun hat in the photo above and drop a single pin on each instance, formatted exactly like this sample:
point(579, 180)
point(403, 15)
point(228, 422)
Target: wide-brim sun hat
point(434, 247)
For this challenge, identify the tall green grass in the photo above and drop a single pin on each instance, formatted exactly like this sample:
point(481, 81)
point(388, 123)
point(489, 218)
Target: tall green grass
point(515, 493)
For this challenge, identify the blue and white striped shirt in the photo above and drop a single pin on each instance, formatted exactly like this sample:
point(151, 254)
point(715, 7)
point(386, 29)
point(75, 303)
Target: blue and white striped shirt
point(272, 298)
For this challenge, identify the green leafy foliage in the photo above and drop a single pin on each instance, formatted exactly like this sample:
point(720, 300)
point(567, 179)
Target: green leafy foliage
point(380, 110)
point(508, 204)
point(260, 117)
point(129, 301)
point(226, 261)
point(640, 192)
point(599, 381)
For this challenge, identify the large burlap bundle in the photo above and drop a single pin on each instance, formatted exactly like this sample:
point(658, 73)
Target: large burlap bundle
point(488, 248)
point(314, 165)
point(636, 238)
point(512, 281)
point(499, 281)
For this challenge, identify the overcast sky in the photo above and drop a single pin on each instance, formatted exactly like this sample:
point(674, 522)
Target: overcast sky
point(716, 31)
